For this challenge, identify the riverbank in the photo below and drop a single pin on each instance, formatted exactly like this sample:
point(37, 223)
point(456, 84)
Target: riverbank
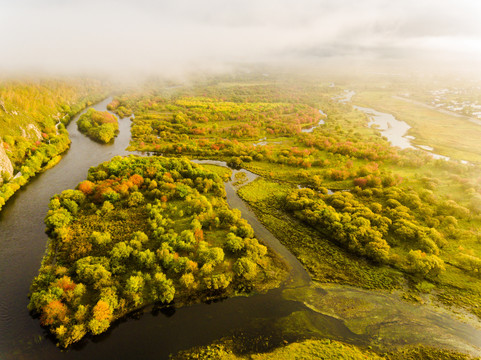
point(45, 152)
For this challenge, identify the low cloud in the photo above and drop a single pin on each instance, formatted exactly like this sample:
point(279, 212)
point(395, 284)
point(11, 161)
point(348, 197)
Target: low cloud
point(168, 37)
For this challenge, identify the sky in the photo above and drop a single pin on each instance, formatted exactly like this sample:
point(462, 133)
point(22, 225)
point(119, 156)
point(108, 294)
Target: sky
point(145, 36)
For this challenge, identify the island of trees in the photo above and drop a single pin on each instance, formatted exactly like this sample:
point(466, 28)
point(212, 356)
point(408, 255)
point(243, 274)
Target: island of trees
point(138, 231)
point(100, 126)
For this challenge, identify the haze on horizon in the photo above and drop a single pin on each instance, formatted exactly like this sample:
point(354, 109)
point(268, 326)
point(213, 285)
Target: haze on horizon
point(145, 36)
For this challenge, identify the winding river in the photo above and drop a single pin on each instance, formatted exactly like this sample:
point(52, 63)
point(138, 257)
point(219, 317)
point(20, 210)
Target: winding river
point(154, 334)
point(393, 129)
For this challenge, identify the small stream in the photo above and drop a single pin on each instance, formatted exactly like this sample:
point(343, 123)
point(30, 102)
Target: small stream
point(154, 333)
point(298, 274)
point(321, 122)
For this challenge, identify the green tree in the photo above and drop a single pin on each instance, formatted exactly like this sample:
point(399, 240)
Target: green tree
point(162, 289)
point(136, 199)
point(140, 236)
point(58, 218)
point(100, 238)
point(93, 271)
point(134, 288)
point(187, 281)
point(233, 243)
point(245, 268)
point(424, 265)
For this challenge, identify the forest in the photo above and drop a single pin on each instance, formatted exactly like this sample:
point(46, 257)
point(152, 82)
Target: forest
point(100, 126)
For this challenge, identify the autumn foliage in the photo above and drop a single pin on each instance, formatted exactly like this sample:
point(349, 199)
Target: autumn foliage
point(124, 240)
point(53, 312)
point(87, 187)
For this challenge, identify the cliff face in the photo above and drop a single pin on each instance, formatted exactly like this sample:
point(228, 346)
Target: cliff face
point(5, 163)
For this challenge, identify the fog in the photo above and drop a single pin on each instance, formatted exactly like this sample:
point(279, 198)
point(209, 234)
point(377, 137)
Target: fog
point(170, 37)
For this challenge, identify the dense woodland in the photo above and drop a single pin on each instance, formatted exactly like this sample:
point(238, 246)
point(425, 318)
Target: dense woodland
point(33, 116)
point(100, 126)
point(139, 231)
point(371, 230)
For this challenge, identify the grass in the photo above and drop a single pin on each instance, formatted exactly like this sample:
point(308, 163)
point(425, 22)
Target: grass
point(318, 349)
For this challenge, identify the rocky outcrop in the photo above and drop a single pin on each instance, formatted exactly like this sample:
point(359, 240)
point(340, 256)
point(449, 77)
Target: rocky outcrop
point(5, 163)
point(32, 132)
point(35, 131)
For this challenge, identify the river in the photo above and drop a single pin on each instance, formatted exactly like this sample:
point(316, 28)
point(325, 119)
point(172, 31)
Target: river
point(393, 129)
point(153, 333)
point(396, 131)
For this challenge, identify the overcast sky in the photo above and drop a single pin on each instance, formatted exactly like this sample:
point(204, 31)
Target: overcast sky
point(163, 36)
